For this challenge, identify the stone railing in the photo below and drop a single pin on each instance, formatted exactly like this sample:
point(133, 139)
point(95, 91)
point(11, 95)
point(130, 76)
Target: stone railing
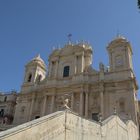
point(66, 125)
point(50, 127)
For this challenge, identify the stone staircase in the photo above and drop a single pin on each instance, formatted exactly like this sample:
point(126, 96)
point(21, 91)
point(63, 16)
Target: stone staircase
point(66, 125)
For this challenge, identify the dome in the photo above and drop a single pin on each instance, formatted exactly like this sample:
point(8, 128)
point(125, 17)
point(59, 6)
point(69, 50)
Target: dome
point(37, 60)
point(117, 40)
point(120, 37)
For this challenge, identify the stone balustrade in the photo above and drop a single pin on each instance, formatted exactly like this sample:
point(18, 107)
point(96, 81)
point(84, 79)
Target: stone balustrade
point(67, 125)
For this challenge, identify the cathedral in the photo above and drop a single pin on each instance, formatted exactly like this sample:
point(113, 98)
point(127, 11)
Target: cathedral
point(93, 94)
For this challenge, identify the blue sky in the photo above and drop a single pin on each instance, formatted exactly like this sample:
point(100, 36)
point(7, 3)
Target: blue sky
point(29, 27)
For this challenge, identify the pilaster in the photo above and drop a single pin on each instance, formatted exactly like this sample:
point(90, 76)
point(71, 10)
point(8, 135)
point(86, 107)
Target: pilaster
point(86, 104)
point(102, 98)
point(44, 106)
point(82, 63)
point(52, 103)
point(75, 65)
point(81, 103)
point(72, 101)
point(31, 107)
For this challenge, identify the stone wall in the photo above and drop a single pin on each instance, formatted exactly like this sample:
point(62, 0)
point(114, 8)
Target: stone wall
point(112, 128)
point(50, 127)
point(78, 128)
point(66, 125)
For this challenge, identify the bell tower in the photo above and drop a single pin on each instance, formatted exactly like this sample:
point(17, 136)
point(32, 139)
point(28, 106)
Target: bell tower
point(124, 94)
point(120, 54)
point(35, 72)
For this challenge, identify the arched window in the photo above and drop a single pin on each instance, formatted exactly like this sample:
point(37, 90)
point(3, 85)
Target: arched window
point(39, 77)
point(2, 113)
point(5, 98)
point(66, 71)
point(29, 78)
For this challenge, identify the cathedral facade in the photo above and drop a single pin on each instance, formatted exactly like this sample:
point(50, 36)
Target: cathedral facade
point(70, 75)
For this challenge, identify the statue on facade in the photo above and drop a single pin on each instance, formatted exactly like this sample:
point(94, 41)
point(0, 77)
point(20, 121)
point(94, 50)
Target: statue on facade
point(65, 105)
point(101, 66)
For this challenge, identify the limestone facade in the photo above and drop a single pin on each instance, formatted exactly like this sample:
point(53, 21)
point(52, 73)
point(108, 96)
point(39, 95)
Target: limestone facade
point(70, 75)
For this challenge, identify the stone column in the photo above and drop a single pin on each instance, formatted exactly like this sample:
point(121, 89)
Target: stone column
point(52, 103)
point(86, 105)
point(31, 107)
point(44, 106)
point(102, 98)
point(75, 65)
point(81, 103)
point(72, 101)
point(128, 61)
point(102, 103)
point(82, 62)
point(50, 69)
point(56, 69)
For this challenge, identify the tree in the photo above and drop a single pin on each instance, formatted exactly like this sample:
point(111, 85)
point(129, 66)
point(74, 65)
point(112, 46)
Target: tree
point(139, 4)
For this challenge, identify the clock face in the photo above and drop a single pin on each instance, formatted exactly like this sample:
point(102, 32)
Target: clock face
point(119, 61)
